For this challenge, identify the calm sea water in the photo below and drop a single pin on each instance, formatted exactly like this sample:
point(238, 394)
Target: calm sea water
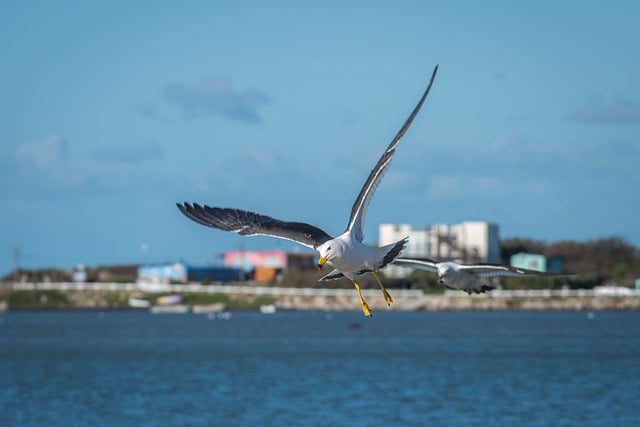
point(319, 369)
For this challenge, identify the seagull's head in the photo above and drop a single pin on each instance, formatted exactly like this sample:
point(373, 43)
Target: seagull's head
point(445, 271)
point(328, 251)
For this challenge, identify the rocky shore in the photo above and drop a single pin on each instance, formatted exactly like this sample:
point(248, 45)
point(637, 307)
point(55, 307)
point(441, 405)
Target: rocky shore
point(92, 299)
point(449, 303)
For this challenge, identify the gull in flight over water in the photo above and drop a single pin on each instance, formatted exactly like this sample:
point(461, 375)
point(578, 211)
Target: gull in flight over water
point(345, 253)
point(467, 277)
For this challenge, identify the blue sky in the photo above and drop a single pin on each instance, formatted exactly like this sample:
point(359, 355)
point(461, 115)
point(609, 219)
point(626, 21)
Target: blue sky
point(111, 112)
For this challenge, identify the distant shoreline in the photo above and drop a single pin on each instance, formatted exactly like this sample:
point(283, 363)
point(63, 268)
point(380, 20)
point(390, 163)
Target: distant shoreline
point(102, 296)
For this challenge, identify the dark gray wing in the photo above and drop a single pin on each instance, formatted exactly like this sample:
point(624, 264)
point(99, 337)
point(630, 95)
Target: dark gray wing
point(359, 209)
point(334, 275)
point(337, 274)
point(250, 224)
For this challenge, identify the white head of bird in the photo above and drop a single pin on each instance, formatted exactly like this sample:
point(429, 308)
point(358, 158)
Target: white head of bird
point(328, 251)
point(445, 271)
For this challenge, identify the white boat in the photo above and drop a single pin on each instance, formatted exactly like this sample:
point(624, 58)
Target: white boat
point(208, 308)
point(139, 303)
point(267, 308)
point(169, 309)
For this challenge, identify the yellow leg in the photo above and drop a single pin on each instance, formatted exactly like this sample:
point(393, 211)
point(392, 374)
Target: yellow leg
point(365, 307)
point(387, 297)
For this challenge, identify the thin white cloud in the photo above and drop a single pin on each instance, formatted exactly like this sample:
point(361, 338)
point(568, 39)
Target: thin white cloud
point(487, 188)
point(619, 111)
point(216, 96)
point(43, 163)
point(47, 168)
point(521, 175)
point(42, 152)
point(253, 167)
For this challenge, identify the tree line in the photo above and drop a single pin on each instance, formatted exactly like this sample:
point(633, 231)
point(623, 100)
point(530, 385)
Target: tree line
point(604, 260)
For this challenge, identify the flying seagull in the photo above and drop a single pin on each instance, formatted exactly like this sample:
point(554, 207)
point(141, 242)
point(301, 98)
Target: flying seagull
point(345, 253)
point(467, 277)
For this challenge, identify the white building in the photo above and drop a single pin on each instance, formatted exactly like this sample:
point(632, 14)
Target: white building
point(469, 241)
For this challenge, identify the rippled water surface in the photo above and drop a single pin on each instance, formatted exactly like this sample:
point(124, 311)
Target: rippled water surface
point(300, 368)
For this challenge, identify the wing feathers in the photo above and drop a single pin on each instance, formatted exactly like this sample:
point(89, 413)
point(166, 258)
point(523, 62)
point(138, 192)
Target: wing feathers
point(480, 270)
point(492, 270)
point(427, 264)
point(250, 223)
point(359, 209)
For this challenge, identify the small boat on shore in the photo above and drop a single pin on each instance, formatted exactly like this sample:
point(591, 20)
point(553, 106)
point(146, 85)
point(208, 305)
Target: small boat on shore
point(207, 308)
point(138, 303)
point(267, 308)
point(169, 309)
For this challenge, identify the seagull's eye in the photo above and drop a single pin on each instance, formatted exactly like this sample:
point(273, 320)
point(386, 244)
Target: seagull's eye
point(329, 248)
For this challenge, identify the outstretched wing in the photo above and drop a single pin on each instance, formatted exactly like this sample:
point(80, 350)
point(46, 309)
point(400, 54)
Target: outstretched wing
point(359, 209)
point(493, 270)
point(250, 224)
point(421, 264)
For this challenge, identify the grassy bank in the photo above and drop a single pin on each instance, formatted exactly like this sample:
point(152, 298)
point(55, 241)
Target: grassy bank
point(53, 300)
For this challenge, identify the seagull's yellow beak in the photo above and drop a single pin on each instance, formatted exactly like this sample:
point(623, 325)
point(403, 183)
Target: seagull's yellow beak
point(321, 262)
point(440, 277)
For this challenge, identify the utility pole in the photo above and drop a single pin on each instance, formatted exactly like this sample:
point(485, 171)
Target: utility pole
point(16, 262)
